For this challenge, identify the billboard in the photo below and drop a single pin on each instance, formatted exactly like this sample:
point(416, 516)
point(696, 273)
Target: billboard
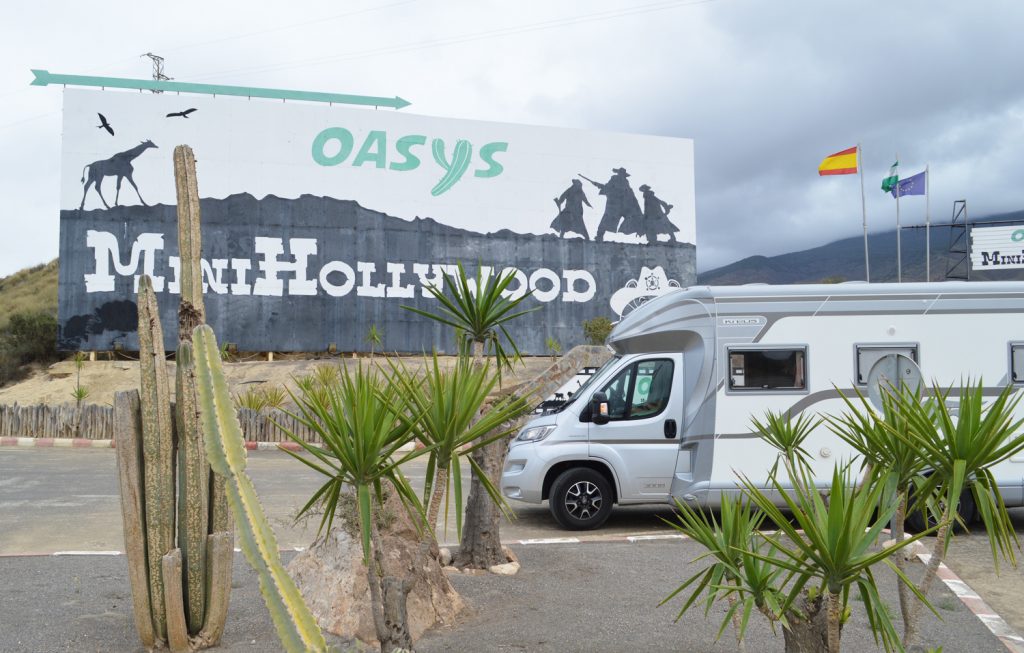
point(997, 248)
point(320, 221)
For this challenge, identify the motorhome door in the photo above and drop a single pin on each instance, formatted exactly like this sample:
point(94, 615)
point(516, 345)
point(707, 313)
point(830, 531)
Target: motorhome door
point(641, 439)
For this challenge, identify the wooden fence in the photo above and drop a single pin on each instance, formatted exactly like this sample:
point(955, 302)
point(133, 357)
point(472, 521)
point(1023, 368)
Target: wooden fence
point(95, 422)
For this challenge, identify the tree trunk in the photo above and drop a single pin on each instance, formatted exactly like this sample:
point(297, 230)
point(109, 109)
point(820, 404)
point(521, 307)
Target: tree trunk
point(436, 495)
point(898, 530)
point(930, 572)
point(833, 616)
point(808, 633)
point(388, 594)
point(736, 623)
point(480, 547)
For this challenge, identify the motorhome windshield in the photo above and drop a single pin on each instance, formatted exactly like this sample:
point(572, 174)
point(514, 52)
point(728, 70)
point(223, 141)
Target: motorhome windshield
point(578, 392)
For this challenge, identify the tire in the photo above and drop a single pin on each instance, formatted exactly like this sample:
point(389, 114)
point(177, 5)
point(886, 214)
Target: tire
point(919, 521)
point(580, 499)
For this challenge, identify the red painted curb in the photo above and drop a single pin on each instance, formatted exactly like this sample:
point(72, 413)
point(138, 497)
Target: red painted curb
point(44, 442)
point(8, 442)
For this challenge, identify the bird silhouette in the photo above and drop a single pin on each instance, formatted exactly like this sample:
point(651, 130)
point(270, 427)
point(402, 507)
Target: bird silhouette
point(104, 124)
point(180, 114)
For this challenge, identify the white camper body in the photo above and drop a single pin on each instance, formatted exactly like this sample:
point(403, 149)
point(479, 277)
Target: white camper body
point(693, 366)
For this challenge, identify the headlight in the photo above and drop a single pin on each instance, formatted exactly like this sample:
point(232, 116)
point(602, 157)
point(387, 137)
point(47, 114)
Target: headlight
point(535, 434)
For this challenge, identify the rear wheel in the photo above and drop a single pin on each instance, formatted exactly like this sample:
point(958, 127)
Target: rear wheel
point(580, 499)
point(922, 520)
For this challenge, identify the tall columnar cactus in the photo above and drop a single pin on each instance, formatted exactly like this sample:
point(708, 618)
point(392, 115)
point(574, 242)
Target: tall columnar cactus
point(191, 312)
point(225, 448)
point(157, 449)
point(180, 594)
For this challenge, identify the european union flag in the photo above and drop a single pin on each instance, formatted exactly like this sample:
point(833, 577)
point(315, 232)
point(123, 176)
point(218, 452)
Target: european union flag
point(910, 186)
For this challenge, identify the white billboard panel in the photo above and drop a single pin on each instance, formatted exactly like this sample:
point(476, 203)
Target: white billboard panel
point(997, 248)
point(336, 217)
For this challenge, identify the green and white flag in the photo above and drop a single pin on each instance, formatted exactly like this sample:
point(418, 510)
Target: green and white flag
point(892, 179)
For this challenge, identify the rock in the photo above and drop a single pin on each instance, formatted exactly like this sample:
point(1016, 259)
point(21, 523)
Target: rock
point(507, 569)
point(509, 554)
point(332, 578)
point(444, 556)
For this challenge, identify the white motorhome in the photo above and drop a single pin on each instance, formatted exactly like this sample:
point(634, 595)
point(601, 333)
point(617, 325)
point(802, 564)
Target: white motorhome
point(691, 367)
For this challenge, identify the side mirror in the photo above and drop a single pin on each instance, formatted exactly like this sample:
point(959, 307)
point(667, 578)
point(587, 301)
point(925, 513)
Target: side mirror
point(599, 408)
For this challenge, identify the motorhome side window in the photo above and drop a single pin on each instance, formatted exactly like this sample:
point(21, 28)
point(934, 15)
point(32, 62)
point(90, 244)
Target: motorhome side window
point(767, 369)
point(640, 390)
point(1017, 362)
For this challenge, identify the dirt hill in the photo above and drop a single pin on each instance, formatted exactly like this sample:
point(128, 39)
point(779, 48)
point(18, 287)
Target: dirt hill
point(29, 290)
point(54, 385)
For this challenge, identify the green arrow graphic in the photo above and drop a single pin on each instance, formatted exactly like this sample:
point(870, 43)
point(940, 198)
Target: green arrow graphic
point(44, 77)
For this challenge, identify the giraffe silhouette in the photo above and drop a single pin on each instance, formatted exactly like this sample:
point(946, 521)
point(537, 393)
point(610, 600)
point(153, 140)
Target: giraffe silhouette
point(120, 166)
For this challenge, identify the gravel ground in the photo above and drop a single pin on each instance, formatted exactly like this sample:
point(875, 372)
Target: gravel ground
point(591, 597)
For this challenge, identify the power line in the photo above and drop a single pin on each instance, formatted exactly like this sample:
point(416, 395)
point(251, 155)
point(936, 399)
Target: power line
point(465, 38)
point(287, 27)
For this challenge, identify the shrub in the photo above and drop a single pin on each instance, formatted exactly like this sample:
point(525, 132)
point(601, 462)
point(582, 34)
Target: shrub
point(597, 330)
point(32, 337)
point(29, 337)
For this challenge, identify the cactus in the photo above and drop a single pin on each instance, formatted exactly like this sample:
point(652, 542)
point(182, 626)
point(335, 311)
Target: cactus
point(193, 488)
point(180, 594)
point(191, 312)
point(157, 449)
point(225, 449)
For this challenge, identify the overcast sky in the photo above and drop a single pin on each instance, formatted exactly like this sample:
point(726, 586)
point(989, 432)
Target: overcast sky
point(765, 89)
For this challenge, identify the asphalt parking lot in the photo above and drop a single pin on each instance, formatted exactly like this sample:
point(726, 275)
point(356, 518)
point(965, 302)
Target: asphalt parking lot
point(605, 597)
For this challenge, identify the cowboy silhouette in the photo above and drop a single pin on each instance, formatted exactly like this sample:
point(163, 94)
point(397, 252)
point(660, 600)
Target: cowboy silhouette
point(120, 166)
point(656, 217)
point(620, 203)
point(570, 217)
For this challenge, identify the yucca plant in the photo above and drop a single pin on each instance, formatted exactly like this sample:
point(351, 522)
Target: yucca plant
point(251, 398)
point(888, 457)
point(374, 338)
point(479, 311)
point(959, 452)
point(787, 436)
point(363, 425)
point(327, 375)
point(745, 581)
point(275, 396)
point(829, 548)
point(455, 421)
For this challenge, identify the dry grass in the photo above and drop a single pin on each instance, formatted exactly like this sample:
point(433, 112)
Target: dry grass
point(31, 289)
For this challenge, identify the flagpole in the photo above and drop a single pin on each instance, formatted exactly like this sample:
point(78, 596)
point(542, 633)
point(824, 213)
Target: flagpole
point(927, 227)
point(899, 258)
point(864, 212)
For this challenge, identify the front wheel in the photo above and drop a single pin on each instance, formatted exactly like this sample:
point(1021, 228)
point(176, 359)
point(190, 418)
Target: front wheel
point(580, 499)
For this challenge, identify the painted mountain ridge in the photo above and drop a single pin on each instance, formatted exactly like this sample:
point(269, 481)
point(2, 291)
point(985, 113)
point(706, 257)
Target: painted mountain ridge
point(337, 269)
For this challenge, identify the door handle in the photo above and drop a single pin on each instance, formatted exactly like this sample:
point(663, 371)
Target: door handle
point(670, 428)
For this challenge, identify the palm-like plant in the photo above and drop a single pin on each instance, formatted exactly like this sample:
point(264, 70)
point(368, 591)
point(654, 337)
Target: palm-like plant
point(363, 425)
point(478, 311)
point(888, 457)
point(744, 580)
point(829, 548)
point(787, 436)
point(454, 422)
point(959, 451)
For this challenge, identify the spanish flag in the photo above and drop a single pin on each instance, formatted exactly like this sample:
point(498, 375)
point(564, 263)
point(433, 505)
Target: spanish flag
point(840, 163)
